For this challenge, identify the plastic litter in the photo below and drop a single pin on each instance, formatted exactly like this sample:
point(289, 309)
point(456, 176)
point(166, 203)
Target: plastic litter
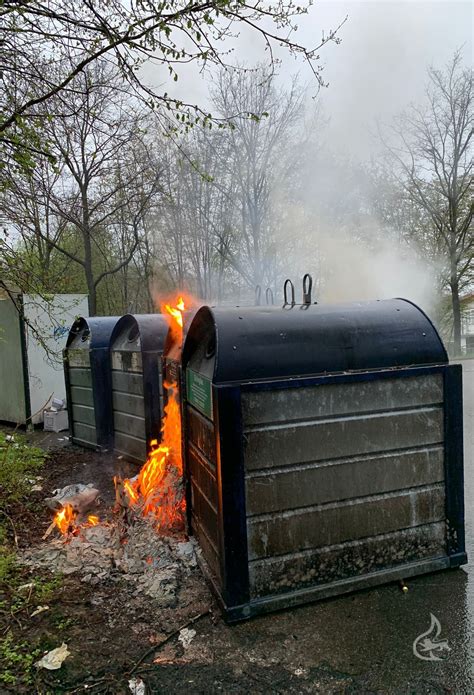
point(137, 686)
point(54, 659)
point(80, 497)
point(186, 636)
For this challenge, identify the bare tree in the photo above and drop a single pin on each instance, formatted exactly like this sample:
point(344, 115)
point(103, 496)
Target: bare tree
point(37, 36)
point(261, 155)
point(432, 157)
point(103, 185)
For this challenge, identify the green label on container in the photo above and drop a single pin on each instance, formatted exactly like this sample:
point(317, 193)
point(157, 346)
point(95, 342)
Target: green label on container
point(199, 392)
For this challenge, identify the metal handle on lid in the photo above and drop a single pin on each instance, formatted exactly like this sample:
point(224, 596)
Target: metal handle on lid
point(307, 287)
point(269, 296)
point(258, 295)
point(286, 303)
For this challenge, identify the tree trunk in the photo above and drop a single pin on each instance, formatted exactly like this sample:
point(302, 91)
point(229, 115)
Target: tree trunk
point(456, 313)
point(86, 234)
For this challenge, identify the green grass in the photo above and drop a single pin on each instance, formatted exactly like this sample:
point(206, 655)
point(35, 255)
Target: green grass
point(19, 464)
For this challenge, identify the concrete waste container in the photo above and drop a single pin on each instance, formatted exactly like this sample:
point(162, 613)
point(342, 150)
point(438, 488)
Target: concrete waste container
point(137, 384)
point(323, 450)
point(88, 381)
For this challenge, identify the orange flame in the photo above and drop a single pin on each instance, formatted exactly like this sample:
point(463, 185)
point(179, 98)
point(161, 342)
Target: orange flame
point(93, 520)
point(176, 312)
point(65, 518)
point(158, 488)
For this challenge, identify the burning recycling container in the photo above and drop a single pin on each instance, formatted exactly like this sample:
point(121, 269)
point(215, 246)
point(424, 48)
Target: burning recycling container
point(137, 384)
point(88, 382)
point(323, 450)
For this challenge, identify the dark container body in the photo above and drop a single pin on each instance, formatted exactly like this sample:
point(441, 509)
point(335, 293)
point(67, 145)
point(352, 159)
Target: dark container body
point(137, 383)
point(323, 450)
point(88, 381)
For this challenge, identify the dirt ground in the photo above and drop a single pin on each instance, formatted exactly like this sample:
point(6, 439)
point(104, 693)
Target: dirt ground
point(115, 635)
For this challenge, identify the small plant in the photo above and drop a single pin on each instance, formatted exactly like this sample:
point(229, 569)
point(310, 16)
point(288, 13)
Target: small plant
point(18, 462)
point(45, 589)
point(16, 660)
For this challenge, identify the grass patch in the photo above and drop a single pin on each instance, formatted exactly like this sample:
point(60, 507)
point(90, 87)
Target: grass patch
point(19, 463)
point(20, 592)
point(17, 661)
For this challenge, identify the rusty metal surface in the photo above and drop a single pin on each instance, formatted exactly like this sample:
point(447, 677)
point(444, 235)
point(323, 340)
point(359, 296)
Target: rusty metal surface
point(81, 405)
point(295, 404)
point(331, 494)
point(326, 525)
point(276, 489)
point(137, 385)
point(322, 440)
point(323, 565)
point(201, 460)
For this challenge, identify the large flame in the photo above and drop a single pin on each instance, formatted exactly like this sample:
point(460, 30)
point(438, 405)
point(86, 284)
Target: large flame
point(158, 488)
point(175, 312)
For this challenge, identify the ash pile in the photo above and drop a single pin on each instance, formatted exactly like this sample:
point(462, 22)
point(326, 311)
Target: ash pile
point(153, 565)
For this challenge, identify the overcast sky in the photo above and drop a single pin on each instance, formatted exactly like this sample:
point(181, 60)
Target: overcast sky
point(377, 70)
point(380, 66)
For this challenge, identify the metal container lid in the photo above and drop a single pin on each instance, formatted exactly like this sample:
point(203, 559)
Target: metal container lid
point(91, 333)
point(140, 333)
point(247, 344)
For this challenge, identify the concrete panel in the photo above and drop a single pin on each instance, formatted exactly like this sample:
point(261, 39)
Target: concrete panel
point(126, 361)
point(12, 394)
point(130, 446)
point(281, 445)
point(128, 403)
point(85, 433)
point(81, 396)
point(333, 523)
point(130, 424)
point(84, 414)
point(128, 382)
point(354, 558)
point(293, 404)
point(80, 377)
point(278, 490)
point(47, 328)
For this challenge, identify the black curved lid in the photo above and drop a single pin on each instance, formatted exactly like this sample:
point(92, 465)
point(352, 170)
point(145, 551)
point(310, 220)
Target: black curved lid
point(244, 344)
point(140, 333)
point(91, 333)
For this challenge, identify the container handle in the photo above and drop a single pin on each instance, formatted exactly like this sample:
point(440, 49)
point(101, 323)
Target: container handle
point(258, 295)
point(307, 287)
point(269, 296)
point(286, 303)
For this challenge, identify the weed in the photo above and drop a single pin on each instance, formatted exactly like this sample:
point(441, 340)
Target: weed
point(18, 463)
point(16, 659)
point(45, 589)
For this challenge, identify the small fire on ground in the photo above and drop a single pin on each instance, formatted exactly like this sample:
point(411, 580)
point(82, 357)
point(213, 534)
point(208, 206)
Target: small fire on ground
point(157, 491)
point(66, 519)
